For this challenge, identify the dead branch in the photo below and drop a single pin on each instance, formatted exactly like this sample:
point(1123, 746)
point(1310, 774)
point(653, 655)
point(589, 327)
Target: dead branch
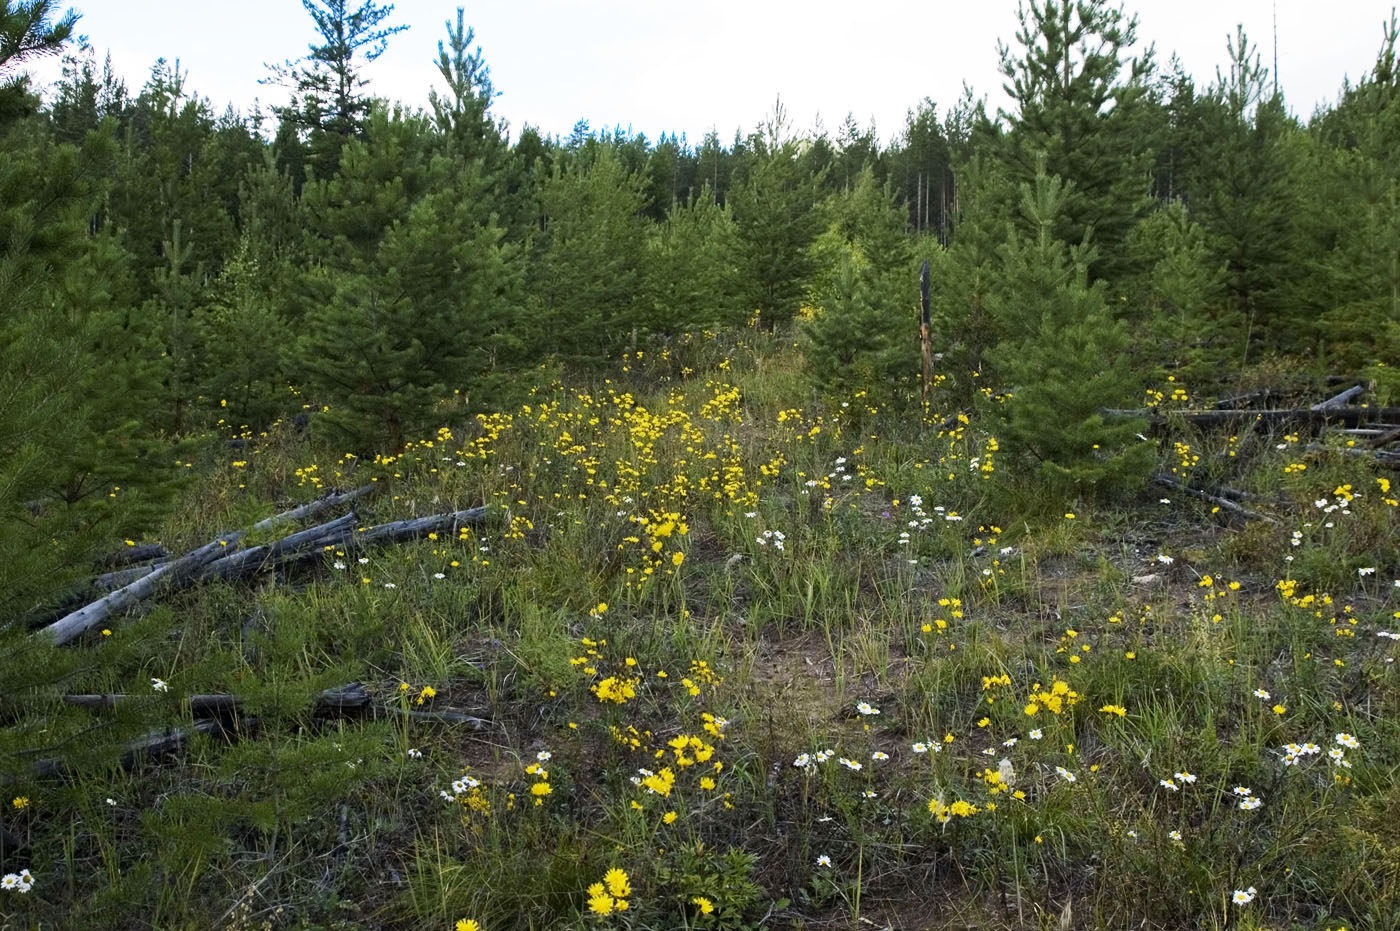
point(1217, 500)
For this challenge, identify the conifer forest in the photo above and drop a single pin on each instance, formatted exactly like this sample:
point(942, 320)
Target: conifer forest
point(410, 520)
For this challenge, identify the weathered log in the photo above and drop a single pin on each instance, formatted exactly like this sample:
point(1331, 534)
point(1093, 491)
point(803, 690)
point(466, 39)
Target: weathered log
point(339, 700)
point(111, 580)
point(437, 717)
point(400, 530)
point(174, 573)
point(249, 561)
point(141, 552)
point(1384, 458)
point(1217, 500)
point(352, 698)
point(204, 562)
point(1351, 416)
point(1249, 398)
point(1388, 435)
point(1340, 400)
point(320, 505)
point(156, 743)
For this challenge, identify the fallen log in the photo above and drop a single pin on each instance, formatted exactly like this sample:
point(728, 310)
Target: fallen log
point(156, 743)
point(111, 580)
point(1388, 436)
point(249, 561)
point(1218, 500)
point(141, 552)
point(1351, 416)
point(205, 563)
point(175, 573)
point(1340, 400)
point(341, 701)
point(320, 505)
point(1384, 458)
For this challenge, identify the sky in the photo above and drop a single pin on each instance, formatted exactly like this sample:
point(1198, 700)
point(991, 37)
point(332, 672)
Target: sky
point(654, 66)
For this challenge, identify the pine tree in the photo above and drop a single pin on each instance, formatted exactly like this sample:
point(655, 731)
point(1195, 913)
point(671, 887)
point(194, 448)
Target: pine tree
point(1349, 213)
point(412, 295)
point(964, 279)
point(462, 115)
point(27, 31)
point(1079, 108)
point(1179, 300)
point(1063, 361)
point(691, 269)
point(328, 85)
point(773, 205)
point(590, 270)
point(65, 423)
point(864, 328)
point(241, 337)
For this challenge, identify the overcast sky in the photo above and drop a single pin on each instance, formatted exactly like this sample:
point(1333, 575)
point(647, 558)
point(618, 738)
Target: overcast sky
point(657, 66)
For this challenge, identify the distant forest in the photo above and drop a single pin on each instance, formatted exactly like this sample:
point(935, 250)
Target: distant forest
point(173, 274)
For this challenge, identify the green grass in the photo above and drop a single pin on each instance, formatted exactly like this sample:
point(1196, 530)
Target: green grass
point(763, 549)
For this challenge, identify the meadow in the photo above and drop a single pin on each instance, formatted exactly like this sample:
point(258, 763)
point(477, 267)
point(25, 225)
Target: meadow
point(725, 656)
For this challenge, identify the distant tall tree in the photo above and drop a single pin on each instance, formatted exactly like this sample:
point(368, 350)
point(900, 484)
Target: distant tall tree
point(860, 336)
point(463, 113)
point(773, 205)
point(328, 85)
point(85, 96)
point(1245, 195)
point(1078, 107)
point(590, 270)
point(1350, 217)
point(691, 269)
point(713, 166)
point(921, 167)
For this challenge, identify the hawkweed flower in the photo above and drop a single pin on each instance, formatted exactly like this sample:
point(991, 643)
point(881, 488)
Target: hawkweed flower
point(467, 924)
